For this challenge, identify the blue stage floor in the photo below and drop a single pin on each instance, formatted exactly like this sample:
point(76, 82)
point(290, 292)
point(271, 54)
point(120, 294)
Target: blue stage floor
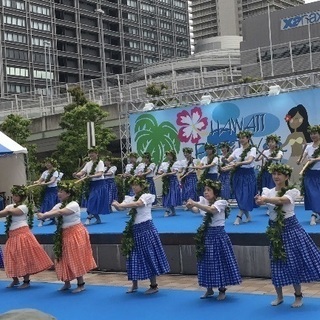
point(183, 222)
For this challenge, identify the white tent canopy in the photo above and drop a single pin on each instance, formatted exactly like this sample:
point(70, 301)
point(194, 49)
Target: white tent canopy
point(12, 164)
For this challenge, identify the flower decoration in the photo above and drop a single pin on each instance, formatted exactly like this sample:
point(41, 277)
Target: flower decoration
point(281, 168)
point(192, 125)
point(287, 118)
point(244, 133)
point(314, 129)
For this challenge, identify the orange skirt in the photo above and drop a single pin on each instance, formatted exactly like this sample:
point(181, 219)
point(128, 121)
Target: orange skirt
point(77, 258)
point(24, 255)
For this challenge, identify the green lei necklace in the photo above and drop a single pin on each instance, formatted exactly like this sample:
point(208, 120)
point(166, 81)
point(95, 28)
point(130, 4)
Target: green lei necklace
point(187, 168)
point(204, 174)
point(315, 155)
point(57, 237)
point(126, 183)
point(223, 164)
point(274, 231)
point(166, 180)
point(202, 231)
point(127, 242)
point(86, 182)
point(30, 216)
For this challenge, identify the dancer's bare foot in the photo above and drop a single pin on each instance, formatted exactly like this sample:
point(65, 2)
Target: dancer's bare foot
point(313, 220)
point(80, 287)
point(277, 301)
point(25, 284)
point(222, 294)
point(209, 293)
point(132, 289)
point(248, 218)
point(65, 287)
point(237, 221)
point(297, 301)
point(14, 283)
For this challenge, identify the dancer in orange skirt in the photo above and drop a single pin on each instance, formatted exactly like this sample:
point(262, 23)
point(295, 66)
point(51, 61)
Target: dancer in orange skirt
point(72, 246)
point(23, 255)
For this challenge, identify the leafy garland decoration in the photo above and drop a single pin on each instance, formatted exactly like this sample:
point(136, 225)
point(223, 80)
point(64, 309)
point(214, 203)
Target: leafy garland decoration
point(200, 236)
point(127, 242)
point(166, 180)
point(86, 182)
point(187, 168)
point(126, 181)
point(316, 154)
point(274, 230)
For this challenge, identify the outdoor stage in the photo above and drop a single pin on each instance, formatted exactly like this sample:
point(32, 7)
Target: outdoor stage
point(249, 239)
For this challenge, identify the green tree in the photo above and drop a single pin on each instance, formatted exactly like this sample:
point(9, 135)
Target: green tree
point(18, 128)
point(72, 147)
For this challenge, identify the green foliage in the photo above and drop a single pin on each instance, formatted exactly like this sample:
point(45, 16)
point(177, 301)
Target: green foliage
point(156, 90)
point(72, 147)
point(155, 139)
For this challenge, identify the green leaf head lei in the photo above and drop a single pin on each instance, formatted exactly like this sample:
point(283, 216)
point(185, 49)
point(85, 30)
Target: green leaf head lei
point(224, 144)
point(52, 161)
point(69, 188)
point(127, 242)
point(187, 150)
point(314, 129)
point(133, 155)
point(245, 133)
point(273, 137)
point(147, 156)
point(209, 146)
point(173, 154)
point(274, 230)
point(202, 230)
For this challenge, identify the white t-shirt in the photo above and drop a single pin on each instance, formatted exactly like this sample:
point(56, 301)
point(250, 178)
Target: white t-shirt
point(19, 221)
point(288, 209)
point(165, 165)
point(112, 170)
point(151, 167)
point(129, 167)
point(237, 153)
point(99, 168)
point(143, 213)
point(219, 218)
point(46, 173)
point(71, 219)
point(309, 151)
point(268, 152)
point(214, 169)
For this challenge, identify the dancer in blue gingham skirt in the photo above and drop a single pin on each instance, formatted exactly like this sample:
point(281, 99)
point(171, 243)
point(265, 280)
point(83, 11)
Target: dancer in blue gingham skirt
point(146, 259)
point(295, 258)
point(217, 265)
point(109, 178)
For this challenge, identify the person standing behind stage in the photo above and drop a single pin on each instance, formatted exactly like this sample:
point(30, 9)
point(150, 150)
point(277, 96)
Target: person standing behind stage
point(269, 156)
point(171, 193)
point(311, 175)
point(49, 179)
point(295, 258)
point(95, 187)
point(244, 182)
point(217, 265)
point(188, 177)
point(109, 178)
point(141, 243)
point(146, 169)
point(209, 165)
point(23, 255)
point(71, 246)
point(130, 171)
point(224, 176)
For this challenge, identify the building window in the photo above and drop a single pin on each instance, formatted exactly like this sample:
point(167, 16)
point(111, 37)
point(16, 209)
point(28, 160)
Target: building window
point(17, 88)
point(16, 54)
point(147, 7)
point(167, 51)
point(15, 21)
point(132, 17)
point(132, 3)
point(149, 34)
point(41, 42)
point(133, 44)
point(20, 72)
point(165, 25)
point(165, 1)
point(179, 16)
point(149, 21)
point(181, 29)
point(14, 37)
point(165, 12)
point(179, 4)
point(37, 25)
point(40, 10)
point(42, 74)
point(149, 47)
point(13, 4)
point(135, 58)
point(166, 38)
point(149, 60)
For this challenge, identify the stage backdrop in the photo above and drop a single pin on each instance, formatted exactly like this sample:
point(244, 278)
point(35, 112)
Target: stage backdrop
point(287, 115)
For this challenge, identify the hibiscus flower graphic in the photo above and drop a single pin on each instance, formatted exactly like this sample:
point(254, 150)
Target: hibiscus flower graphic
point(192, 125)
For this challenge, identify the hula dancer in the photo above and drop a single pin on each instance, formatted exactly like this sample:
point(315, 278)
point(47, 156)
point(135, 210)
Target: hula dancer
point(224, 176)
point(95, 187)
point(269, 156)
point(295, 258)
point(311, 174)
point(49, 180)
point(141, 244)
point(217, 265)
point(243, 179)
point(171, 193)
point(146, 169)
point(188, 177)
point(23, 255)
point(109, 178)
point(129, 172)
point(72, 248)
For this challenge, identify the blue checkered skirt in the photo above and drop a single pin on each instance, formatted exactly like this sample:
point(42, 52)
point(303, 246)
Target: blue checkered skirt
point(244, 185)
point(152, 188)
point(112, 190)
point(218, 266)
point(173, 197)
point(189, 187)
point(266, 180)
point(98, 198)
point(148, 258)
point(50, 199)
point(303, 257)
point(224, 178)
point(312, 190)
